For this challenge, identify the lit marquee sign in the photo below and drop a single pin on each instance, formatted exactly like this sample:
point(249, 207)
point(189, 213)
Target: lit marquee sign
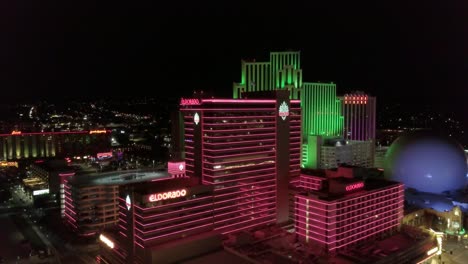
point(189, 101)
point(167, 195)
point(104, 155)
point(98, 131)
point(196, 118)
point(354, 186)
point(15, 132)
point(176, 167)
point(106, 241)
point(128, 202)
point(283, 110)
point(39, 192)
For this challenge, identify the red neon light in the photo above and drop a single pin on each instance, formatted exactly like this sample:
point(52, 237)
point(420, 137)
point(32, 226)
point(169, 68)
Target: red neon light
point(355, 186)
point(15, 132)
point(98, 131)
point(189, 101)
point(167, 195)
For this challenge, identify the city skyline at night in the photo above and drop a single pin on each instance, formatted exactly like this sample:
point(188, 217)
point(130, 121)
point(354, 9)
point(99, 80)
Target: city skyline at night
point(190, 132)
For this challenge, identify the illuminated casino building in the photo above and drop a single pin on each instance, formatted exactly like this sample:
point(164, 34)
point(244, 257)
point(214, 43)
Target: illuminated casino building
point(359, 116)
point(247, 149)
point(334, 210)
point(282, 72)
point(90, 200)
point(151, 216)
point(24, 145)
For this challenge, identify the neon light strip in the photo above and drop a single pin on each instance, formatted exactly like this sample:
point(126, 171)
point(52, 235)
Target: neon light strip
point(239, 130)
point(315, 226)
point(241, 154)
point(242, 136)
point(250, 226)
point(172, 204)
point(356, 204)
point(172, 219)
point(173, 233)
point(240, 101)
point(241, 148)
point(243, 222)
point(271, 182)
point(354, 241)
point(270, 124)
point(243, 179)
point(156, 214)
point(46, 133)
point(240, 118)
point(179, 225)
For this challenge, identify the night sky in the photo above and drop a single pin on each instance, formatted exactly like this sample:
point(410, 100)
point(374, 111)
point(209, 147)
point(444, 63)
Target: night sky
point(408, 52)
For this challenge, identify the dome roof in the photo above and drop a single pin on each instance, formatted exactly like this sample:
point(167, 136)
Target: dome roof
point(427, 162)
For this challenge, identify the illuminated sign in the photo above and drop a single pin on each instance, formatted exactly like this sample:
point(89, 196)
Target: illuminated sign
point(283, 110)
point(9, 164)
point(106, 241)
point(189, 101)
point(39, 192)
point(104, 155)
point(196, 118)
point(176, 167)
point(99, 131)
point(167, 195)
point(14, 132)
point(355, 186)
point(128, 202)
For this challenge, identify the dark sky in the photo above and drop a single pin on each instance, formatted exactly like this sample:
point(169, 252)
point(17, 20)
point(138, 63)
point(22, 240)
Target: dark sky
point(401, 52)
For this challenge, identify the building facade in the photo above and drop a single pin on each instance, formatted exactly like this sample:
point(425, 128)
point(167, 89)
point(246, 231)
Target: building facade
point(25, 145)
point(282, 72)
point(247, 149)
point(154, 214)
point(359, 116)
point(346, 210)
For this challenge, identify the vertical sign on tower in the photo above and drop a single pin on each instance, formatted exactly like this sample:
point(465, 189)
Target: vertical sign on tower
point(283, 110)
point(196, 118)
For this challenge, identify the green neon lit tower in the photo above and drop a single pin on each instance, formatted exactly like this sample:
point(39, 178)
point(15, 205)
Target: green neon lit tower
point(321, 118)
point(281, 72)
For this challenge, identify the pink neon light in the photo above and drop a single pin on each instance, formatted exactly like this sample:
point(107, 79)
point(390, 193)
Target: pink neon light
point(167, 195)
point(250, 226)
point(355, 186)
point(243, 222)
point(47, 133)
point(251, 101)
point(16, 132)
point(173, 233)
point(189, 101)
point(66, 174)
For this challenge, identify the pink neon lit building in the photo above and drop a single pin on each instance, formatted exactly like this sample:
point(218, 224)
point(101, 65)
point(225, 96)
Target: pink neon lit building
point(152, 214)
point(359, 116)
point(247, 149)
point(337, 212)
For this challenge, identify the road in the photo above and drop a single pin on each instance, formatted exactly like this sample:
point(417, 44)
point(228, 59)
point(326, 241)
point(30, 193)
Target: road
point(21, 222)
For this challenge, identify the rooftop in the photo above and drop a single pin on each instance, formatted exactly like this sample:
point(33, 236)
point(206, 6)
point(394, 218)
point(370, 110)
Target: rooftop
point(118, 177)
